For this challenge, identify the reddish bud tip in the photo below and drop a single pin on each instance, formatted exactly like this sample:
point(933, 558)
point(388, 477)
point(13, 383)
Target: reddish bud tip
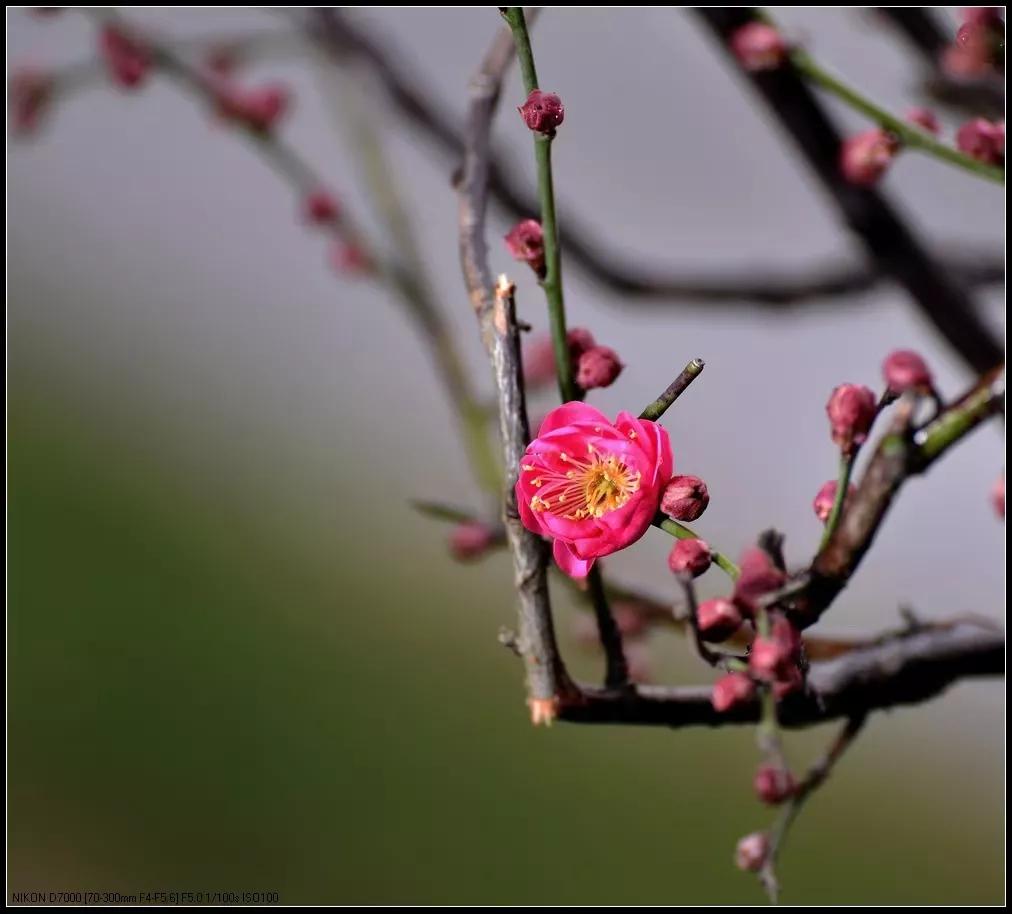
point(470, 540)
point(851, 410)
point(29, 93)
point(685, 498)
point(998, 496)
point(526, 243)
point(826, 498)
point(773, 784)
point(865, 156)
point(717, 619)
point(733, 690)
point(751, 853)
point(542, 112)
point(758, 46)
point(759, 576)
point(689, 557)
point(126, 56)
point(905, 370)
point(983, 140)
point(350, 259)
point(599, 366)
point(924, 118)
point(321, 208)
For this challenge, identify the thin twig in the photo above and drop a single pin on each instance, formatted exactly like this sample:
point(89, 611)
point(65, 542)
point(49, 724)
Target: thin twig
point(815, 777)
point(616, 668)
point(674, 390)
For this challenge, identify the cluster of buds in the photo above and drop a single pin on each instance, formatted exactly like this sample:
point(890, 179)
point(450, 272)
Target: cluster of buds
point(592, 365)
point(758, 46)
point(126, 55)
point(866, 156)
point(29, 92)
point(542, 112)
point(983, 140)
point(979, 48)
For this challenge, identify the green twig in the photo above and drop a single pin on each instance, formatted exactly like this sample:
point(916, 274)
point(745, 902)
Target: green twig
point(912, 137)
point(674, 390)
point(552, 283)
point(842, 484)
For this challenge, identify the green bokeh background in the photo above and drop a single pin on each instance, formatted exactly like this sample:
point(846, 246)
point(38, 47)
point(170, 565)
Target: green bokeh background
point(210, 693)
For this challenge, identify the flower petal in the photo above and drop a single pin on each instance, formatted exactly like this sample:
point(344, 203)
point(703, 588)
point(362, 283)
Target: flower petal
point(569, 561)
point(569, 414)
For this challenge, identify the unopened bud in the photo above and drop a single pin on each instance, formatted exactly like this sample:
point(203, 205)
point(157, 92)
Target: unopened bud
point(689, 557)
point(773, 784)
point(29, 93)
point(526, 243)
point(598, 367)
point(685, 498)
point(126, 56)
point(983, 140)
point(758, 577)
point(542, 112)
point(717, 619)
point(851, 410)
point(924, 118)
point(731, 691)
point(905, 370)
point(758, 46)
point(471, 540)
point(321, 208)
point(259, 109)
point(751, 853)
point(826, 498)
point(350, 259)
point(998, 496)
point(865, 156)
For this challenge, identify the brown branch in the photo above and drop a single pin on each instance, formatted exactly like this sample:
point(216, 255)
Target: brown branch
point(887, 239)
point(548, 683)
point(907, 668)
point(741, 286)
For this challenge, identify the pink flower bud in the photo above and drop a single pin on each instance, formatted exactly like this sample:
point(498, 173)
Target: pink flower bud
point(751, 853)
point(539, 356)
point(826, 498)
point(542, 112)
point(998, 496)
point(470, 540)
point(598, 367)
point(731, 691)
point(905, 370)
point(924, 118)
point(773, 784)
point(791, 683)
point(526, 243)
point(865, 156)
point(983, 140)
point(717, 619)
point(579, 340)
point(758, 46)
point(30, 91)
point(321, 208)
point(689, 557)
point(259, 109)
point(126, 56)
point(350, 259)
point(774, 657)
point(851, 410)
point(685, 498)
point(759, 576)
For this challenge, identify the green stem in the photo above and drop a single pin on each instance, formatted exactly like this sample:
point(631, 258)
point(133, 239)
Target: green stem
point(842, 484)
point(684, 533)
point(955, 421)
point(675, 389)
point(912, 137)
point(552, 283)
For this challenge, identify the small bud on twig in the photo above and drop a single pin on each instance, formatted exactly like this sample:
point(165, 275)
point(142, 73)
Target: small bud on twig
point(758, 46)
point(717, 619)
point(526, 243)
point(905, 370)
point(732, 691)
point(851, 410)
point(751, 852)
point(685, 498)
point(865, 156)
point(126, 56)
point(983, 140)
point(773, 784)
point(826, 498)
point(598, 367)
point(691, 558)
point(542, 112)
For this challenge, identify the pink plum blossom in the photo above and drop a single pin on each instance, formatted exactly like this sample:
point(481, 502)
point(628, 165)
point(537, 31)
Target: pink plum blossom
point(590, 484)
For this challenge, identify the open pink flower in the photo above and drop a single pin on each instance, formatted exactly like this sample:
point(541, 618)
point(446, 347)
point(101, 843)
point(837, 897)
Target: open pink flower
point(591, 484)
